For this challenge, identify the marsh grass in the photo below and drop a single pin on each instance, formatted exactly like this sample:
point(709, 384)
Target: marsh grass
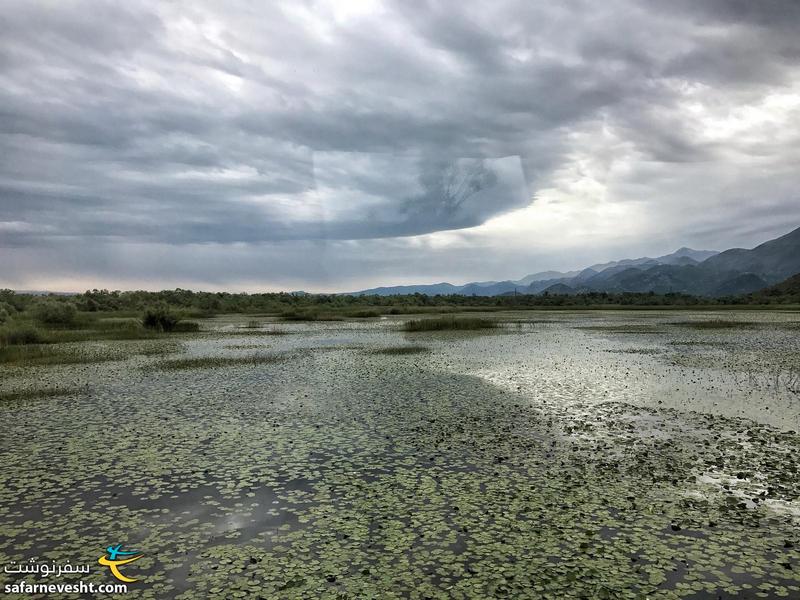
point(367, 313)
point(210, 362)
point(520, 322)
point(89, 335)
point(255, 332)
point(20, 335)
point(314, 314)
point(402, 350)
point(701, 343)
point(310, 315)
point(38, 355)
point(117, 324)
point(715, 324)
point(444, 310)
point(186, 327)
point(628, 328)
point(32, 394)
point(244, 346)
point(25, 333)
point(643, 351)
point(449, 324)
point(256, 328)
point(50, 354)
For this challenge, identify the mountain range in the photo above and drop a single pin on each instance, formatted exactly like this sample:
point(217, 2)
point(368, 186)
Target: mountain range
point(697, 272)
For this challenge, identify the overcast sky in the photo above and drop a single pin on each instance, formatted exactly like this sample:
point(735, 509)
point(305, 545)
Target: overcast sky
point(333, 146)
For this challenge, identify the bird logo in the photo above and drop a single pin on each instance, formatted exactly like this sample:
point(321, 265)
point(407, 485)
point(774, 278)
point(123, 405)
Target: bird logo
point(115, 557)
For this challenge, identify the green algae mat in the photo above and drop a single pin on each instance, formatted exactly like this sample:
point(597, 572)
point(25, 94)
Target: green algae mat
point(553, 456)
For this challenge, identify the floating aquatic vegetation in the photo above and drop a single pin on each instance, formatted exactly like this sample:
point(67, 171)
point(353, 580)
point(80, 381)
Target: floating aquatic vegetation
point(715, 324)
point(241, 332)
point(310, 315)
point(210, 362)
point(401, 350)
point(358, 474)
point(80, 353)
point(625, 328)
point(710, 343)
point(652, 351)
point(35, 393)
point(244, 346)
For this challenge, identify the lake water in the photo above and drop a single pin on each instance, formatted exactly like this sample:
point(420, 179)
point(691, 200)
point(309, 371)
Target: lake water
point(623, 454)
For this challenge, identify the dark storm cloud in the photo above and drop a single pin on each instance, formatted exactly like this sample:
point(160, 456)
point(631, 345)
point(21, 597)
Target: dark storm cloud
point(361, 193)
point(175, 124)
point(781, 14)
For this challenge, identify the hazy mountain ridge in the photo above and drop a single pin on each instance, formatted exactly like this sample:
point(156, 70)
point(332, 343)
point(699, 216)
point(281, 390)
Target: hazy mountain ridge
point(787, 289)
point(536, 282)
point(697, 272)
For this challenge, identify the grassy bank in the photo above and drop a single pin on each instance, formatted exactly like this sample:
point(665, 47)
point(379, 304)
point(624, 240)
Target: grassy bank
point(449, 324)
point(211, 362)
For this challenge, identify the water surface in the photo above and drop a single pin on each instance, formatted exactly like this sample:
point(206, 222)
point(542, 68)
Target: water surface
point(598, 455)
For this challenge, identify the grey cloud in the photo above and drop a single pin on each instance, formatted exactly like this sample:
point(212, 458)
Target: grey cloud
point(375, 195)
point(183, 123)
point(767, 13)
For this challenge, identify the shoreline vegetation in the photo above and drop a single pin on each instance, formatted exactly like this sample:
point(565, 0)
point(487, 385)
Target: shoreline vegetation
point(59, 329)
point(448, 324)
point(167, 308)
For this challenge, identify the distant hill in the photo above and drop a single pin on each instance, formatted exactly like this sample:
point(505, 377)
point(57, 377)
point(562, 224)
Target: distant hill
point(544, 276)
point(538, 282)
point(696, 272)
point(683, 253)
point(774, 260)
point(738, 285)
point(431, 290)
point(559, 288)
point(787, 291)
point(729, 273)
point(790, 286)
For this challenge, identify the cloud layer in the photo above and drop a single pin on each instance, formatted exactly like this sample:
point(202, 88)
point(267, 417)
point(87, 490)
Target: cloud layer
point(313, 144)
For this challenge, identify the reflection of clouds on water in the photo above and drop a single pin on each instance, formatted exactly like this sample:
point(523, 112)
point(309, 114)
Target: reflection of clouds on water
point(738, 372)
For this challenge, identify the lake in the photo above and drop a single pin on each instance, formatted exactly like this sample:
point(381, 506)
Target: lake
point(598, 454)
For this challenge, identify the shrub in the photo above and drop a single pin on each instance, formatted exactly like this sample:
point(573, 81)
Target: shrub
point(20, 335)
point(54, 312)
point(160, 318)
point(117, 324)
point(186, 327)
point(16, 301)
point(196, 313)
point(7, 308)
